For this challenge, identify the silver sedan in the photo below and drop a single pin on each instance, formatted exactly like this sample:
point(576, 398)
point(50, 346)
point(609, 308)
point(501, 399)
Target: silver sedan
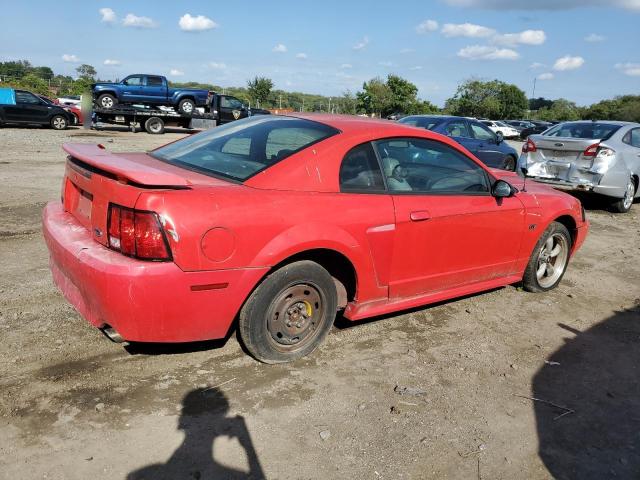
point(602, 157)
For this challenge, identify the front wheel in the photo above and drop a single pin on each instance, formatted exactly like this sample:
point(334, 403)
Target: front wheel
point(509, 163)
point(624, 204)
point(58, 122)
point(549, 259)
point(289, 314)
point(107, 101)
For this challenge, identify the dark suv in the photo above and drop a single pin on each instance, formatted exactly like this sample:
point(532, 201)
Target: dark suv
point(489, 147)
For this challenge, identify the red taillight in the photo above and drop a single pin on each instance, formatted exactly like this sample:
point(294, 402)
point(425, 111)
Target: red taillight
point(592, 150)
point(137, 234)
point(529, 147)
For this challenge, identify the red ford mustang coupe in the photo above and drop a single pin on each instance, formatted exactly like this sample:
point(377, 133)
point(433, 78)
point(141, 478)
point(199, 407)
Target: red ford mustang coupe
point(280, 221)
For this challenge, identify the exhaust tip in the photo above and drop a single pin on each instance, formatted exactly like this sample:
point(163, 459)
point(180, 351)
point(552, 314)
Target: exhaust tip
point(112, 334)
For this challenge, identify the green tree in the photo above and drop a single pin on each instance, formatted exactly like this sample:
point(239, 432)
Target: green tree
point(43, 72)
point(403, 95)
point(492, 99)
point(86, 72)
point(259, 89)
point(375, 97)
point(561, 110)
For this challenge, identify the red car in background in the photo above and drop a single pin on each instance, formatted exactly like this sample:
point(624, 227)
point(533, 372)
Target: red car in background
point(71, 108)
point(280, 221)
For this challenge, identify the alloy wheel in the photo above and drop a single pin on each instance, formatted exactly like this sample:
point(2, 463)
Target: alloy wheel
point(552, 260)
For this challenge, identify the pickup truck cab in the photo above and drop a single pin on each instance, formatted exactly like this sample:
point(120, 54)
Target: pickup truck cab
point(149, 90)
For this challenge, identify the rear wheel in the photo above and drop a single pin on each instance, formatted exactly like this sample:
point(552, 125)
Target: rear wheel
point(154, 126)
point(624, 204)
point(58, 122)
point(549, 259)
point(289, 314)
point(107, 101)
point(186, 106)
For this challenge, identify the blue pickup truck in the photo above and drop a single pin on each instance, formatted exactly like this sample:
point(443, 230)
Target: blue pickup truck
point(149, 90)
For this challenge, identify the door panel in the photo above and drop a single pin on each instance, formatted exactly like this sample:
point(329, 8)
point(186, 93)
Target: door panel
point(485, 146)
point(154, 90)
point(132, 89)
point(444, 241)
point(28, 109)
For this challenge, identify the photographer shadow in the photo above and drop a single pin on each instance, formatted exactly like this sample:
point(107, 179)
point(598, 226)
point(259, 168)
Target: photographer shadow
point(203, 420)
point(596, 376)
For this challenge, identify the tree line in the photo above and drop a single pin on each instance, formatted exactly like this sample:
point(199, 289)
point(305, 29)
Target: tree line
point(381, 97)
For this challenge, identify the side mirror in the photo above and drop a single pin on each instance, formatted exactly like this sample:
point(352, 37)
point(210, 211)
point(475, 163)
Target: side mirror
point(499, 138)
point(502, 189)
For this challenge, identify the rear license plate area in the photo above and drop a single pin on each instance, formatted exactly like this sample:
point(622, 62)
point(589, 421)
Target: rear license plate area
point(78, 202)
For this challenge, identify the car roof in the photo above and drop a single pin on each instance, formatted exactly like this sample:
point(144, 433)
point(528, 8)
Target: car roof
point(620, 123)
point(352, 123)
point(443, 117)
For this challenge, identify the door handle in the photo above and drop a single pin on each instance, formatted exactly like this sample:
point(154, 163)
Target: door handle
point(419, 216)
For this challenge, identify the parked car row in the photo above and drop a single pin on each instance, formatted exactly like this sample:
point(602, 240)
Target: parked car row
point(25, 108)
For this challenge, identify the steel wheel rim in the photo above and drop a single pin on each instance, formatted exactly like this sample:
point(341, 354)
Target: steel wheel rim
point(295, 316)
point(187, 107)
point(552, 260)
point(628, 195)
point(155, 127)
point(58, 123)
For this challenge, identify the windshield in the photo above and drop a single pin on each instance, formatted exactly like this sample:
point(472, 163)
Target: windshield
point(593, 130)
point(423, 122)
point(240, 149)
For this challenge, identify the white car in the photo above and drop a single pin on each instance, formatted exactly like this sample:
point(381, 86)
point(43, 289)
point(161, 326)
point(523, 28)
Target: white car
point(496, 126)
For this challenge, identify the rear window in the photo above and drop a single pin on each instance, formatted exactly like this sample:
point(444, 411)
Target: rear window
point(423, 122)
point(241, 149)
point(592, 130)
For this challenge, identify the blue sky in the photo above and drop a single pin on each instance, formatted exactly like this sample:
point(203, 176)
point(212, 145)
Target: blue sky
point(583, 50)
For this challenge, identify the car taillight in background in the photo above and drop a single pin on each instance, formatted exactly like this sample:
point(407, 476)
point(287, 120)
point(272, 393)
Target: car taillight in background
point(603, 157)
point(137, 233)
point(529, 146)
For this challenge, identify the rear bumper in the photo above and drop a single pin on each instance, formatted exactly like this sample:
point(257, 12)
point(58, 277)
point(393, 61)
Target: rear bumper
point(142, 301)
point(584, 186)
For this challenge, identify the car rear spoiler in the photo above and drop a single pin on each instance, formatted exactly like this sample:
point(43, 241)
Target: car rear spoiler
point(124, 169)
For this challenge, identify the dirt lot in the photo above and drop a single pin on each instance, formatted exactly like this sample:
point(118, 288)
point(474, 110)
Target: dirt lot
point(432, 393)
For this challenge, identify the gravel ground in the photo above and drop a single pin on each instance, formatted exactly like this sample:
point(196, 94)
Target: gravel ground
point(439, 392)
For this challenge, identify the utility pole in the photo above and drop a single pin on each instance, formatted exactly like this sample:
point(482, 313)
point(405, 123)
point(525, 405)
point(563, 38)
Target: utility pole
point(280, 101)
point(302, 109)
point(533, 95)
point(329, 107)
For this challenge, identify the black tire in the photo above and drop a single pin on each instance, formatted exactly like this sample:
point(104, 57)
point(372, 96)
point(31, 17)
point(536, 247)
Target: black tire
point(510, 163)
point(107, 101)
point(624, 204)
point(262, 319)
point(531, 281)
point(187, 106)
point(59, 122)
point(154, 126)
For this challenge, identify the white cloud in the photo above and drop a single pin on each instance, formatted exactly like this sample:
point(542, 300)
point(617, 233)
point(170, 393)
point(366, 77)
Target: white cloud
point(594, 37)
point(361, 44)
point(217, 65)
point(301, 56)
point(280, 48)
point(536, 65)
point(527, 37)
point(482, 52)
point(346, 65)
point(70, 58)
point(174, 72)
point(427, 26)
point(385, 64)
point(631, 69)
point(417, 67)
point(527, 5)
point(132, 20)
point(546, 76)
point(466, 30)
point(568, 63)
point(108, 15)
point(196, 24)
point(113, 63)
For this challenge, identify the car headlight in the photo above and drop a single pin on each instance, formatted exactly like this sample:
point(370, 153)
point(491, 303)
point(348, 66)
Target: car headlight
point(603, 160)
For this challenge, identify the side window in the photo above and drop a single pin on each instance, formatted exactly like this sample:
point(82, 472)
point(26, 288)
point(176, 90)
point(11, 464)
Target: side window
point(419, 165)
point(360, 171)
point(26, 97)
point(133, 81)
point(282, 142)
point(480, 132)
point(230, 102)
point(154, 81)
point(457, 128)
point(632, 138)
